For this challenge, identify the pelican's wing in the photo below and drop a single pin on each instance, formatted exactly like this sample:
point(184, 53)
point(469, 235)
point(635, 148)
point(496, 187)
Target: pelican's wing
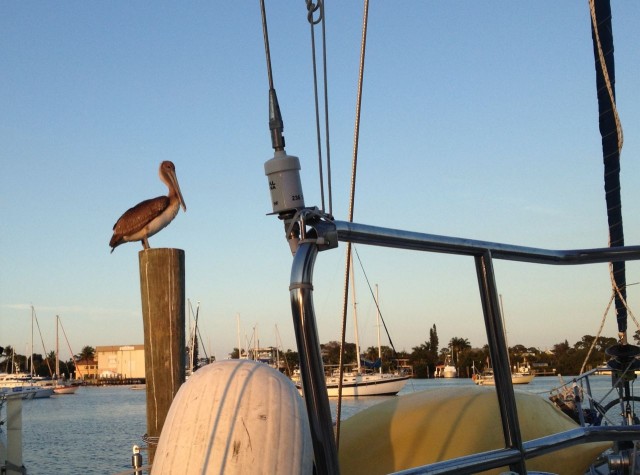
point(136, 218)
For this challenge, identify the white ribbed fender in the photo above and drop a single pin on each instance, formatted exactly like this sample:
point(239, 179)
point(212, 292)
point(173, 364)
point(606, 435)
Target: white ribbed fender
point(235, 417)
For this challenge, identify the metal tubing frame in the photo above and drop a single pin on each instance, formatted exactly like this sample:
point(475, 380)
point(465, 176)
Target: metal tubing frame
point(311, 367)
point(312, 371)
point(499, 352)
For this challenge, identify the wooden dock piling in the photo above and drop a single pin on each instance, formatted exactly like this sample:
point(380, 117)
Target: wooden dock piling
point(162, 288)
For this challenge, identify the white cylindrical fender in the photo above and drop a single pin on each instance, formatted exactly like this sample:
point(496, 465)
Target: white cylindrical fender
point(235, 417)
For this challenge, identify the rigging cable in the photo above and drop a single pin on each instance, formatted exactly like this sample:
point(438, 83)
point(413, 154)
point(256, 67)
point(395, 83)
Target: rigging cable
point(64, 333)
point(46, 359)
point(604, 318)
point(312, 8)
point(356, 134)
point(595, 340)
point(376, 302)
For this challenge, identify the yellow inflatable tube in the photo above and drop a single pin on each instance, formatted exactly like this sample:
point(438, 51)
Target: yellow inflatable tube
point(440, 424)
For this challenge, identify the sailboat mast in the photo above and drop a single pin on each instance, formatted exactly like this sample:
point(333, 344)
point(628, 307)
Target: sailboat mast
point(277, 349)
point(64, 333)
point(504, 329)
point(256, 342)
point(378, 324)
point(57, 349)
point(355, 315)
point(31, 357)
point(190, 345)
point(238, 335)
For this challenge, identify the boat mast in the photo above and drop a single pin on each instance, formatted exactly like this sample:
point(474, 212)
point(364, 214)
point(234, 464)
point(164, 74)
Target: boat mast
point(378, 322)
point(277, 349)
point(190, 345)
point(611, 133)
point(504, 327)
point(256, 342)
point(64, 333)
point(355, 315)
point(31, 356)
point(238, 335)
point(193, 356)
point(57, 349)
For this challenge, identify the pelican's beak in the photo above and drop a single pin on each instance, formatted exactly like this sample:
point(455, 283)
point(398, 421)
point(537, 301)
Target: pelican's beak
point(176, 185)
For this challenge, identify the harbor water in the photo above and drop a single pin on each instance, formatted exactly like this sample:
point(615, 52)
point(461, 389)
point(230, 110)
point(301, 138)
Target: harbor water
point(93, 431)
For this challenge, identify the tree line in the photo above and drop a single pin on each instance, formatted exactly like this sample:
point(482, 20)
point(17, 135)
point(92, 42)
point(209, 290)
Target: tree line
point(563, 358)
point(39, 365)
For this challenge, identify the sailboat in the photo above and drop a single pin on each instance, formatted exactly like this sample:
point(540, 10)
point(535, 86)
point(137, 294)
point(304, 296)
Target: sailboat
point(27, 384)
point(57, 384)
point(519, 375)
point(62, 386)
point(365, 382)
point(487, 378)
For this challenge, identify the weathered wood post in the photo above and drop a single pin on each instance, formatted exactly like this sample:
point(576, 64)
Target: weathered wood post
point(162, 287)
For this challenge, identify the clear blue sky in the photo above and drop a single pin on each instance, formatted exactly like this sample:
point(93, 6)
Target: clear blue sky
point(479, 120)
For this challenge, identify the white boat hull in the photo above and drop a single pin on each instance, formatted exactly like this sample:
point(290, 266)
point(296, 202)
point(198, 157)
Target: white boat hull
point(516, 378)
point(17, 392)
point(450, 372)
point(367, 385)
point(41, 393)
point(65, 389)
point(23, 383)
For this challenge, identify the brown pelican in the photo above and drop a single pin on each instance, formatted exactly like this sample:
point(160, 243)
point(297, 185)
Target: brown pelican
point(147, 218)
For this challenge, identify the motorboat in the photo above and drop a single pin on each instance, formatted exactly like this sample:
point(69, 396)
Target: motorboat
point(23, 383)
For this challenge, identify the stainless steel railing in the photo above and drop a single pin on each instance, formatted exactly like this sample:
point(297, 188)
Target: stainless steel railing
point(320, 234)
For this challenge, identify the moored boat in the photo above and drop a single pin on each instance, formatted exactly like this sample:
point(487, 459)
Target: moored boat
point(449, 371)
point(486, 378)
point(62, 386)
point(366, 384)
point(65, 388)
point(22, 383)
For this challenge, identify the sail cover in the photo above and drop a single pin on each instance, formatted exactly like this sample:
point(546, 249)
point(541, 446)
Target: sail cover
point(602, 35)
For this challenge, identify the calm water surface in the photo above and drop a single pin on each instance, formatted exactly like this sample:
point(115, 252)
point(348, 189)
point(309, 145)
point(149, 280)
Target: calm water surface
point(89, 432)
point(93, 431)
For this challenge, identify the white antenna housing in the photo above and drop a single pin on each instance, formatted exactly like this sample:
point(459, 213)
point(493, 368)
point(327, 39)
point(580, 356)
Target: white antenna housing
point(285, 187)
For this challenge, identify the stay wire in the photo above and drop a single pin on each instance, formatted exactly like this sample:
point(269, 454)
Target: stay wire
point(326, 107)
point(366, 278)
point(320, 19)
point(311, 9)
point(363, 43)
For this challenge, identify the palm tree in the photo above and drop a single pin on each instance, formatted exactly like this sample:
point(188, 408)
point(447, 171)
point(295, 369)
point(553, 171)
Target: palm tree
point(85, 357)
point(458, 345)
point(6, 353)
point(51, 362)
point(87, 354)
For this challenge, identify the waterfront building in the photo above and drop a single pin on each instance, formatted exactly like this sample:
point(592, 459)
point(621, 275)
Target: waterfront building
point(122, 362)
